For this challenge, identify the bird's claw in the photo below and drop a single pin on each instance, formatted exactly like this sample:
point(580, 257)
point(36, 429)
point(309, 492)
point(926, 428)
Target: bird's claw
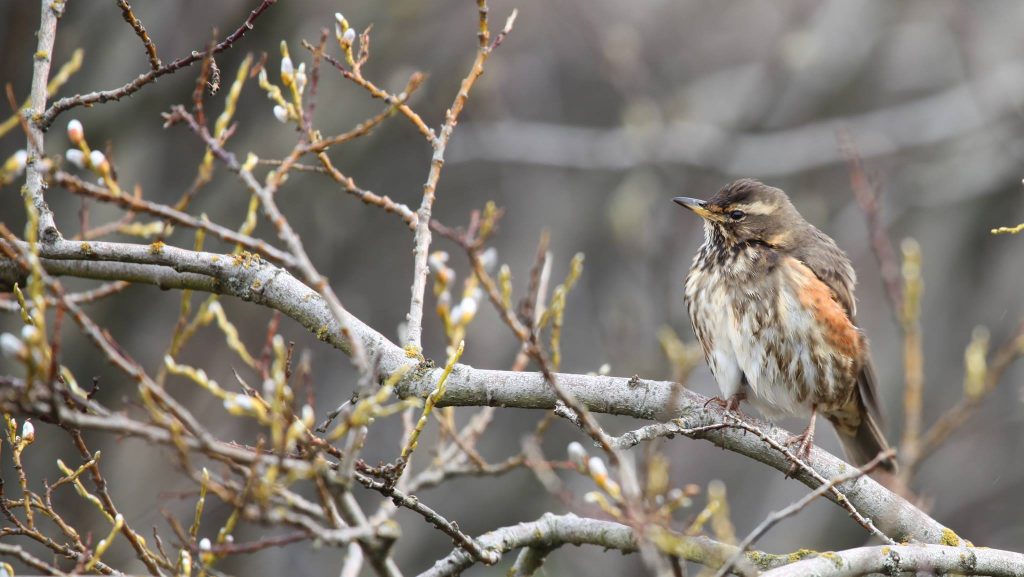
point(804, 442)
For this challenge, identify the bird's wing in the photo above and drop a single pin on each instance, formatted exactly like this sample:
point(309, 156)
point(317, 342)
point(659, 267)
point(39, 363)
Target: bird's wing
point(829, 263)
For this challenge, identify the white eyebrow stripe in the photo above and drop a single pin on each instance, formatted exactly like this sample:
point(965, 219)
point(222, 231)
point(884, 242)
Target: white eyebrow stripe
point(757, 207)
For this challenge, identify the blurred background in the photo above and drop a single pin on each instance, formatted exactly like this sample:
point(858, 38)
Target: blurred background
point(588, 119)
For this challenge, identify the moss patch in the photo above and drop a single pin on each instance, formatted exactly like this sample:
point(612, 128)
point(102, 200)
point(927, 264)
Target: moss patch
point(949, 538)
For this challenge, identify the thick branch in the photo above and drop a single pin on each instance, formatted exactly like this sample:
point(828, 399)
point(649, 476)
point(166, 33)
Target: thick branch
point(34, 186)
point(268, 285)
point(896, 560)
point(539, 538)
point(549, 532)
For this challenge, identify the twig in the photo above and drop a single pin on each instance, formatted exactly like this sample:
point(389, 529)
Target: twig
point(132, 203)
point(774, 517)
point(285, 232)
point(29, 560)
point(89, 296)
point(955, 417)
point(423, 235)
point(261, 544)
point(913, 356)
point(1009, 229)
point(140, 31)
point(868, 198)
point(66, 71)
point(474, 549)
point(837, 495)
point(45, 119)
point(378, 93)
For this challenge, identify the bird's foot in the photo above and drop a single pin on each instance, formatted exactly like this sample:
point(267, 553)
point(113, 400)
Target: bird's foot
point(730, 405)
point(804, 442)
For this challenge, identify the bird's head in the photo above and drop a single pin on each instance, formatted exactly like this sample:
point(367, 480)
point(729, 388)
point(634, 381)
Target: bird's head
point(747, 210)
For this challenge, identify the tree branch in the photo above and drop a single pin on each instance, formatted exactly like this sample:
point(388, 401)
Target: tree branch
point(265, 284)
point(49, 13)
point(553, 531)
point(45, 119)
point(896, 560)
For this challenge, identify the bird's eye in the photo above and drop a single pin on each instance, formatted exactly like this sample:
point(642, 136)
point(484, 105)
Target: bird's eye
point(737, 215)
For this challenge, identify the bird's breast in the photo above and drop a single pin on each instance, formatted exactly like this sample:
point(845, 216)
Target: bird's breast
point(766, 322)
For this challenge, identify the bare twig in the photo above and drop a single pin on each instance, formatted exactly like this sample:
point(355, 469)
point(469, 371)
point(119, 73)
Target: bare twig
point(89, 296)
point(378, 93)
point(474, 549)
point(81, 187)
point(440, 143)
point(869, 200)
point(285, 232)
point(140, 31)
point(19, 553)
point(45, 119)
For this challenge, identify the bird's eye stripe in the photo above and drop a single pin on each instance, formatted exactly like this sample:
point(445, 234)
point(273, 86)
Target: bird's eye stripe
point(756, 207)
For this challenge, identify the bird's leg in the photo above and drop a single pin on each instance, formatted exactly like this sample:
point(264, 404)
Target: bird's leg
point(804, 441)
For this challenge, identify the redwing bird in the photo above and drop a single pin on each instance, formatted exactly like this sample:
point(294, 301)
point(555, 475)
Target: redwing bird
point(771, 301)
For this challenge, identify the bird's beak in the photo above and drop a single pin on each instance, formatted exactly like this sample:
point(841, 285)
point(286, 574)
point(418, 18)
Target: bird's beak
point(697, 206)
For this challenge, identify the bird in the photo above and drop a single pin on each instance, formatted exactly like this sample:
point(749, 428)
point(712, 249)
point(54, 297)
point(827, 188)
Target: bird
point(771, 301)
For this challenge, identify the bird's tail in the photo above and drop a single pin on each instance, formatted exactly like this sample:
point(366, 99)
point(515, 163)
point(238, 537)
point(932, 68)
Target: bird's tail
point(865, 442)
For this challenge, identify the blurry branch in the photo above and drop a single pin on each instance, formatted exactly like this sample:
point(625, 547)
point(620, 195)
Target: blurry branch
point(19, 553)
point(942, 116)
point(869, 197)
point(900, 559)
point(904, 287)
point(70, 67)
point(982, 375)
point(45, 119)
point(1009, 229)
point(913, 355)
point(268, 285)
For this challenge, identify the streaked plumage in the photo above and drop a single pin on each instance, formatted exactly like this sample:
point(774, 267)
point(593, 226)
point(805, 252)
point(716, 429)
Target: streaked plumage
point(771, 301)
